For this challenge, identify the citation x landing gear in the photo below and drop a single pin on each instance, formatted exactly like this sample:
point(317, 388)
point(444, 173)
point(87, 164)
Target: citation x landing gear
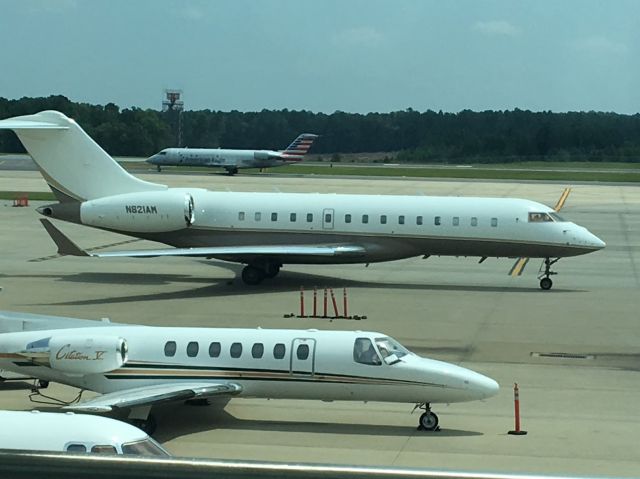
point(428, 420)
point(545, 280)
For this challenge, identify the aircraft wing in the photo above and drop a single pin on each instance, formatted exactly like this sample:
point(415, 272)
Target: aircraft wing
point(68, 247)
point(156, 394)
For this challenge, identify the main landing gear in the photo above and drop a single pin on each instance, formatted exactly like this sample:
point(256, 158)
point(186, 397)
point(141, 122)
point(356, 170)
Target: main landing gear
point(254, 274)
point(544, 277)
point(232, 171)
point(428, 420)
point(142, 418)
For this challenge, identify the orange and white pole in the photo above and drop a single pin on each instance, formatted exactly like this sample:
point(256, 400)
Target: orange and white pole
point(302, 301)
point(335, 305)
point(344, 301)
point(315, 301)
point(516, 404)
point(325, 303)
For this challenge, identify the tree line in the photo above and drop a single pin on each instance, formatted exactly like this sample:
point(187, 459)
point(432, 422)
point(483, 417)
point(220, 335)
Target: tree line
point(408, 136)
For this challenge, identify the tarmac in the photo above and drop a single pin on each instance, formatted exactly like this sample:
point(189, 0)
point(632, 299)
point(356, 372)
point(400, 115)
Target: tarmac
point(573, 350)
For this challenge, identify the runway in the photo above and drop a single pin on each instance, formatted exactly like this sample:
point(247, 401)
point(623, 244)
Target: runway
point(579, 408)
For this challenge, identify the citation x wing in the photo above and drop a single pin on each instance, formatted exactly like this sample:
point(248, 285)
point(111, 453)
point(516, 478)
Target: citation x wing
point(156, 394)
point(266, 231)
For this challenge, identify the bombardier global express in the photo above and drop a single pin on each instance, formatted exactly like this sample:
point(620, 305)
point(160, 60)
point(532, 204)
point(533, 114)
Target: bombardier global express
point(136, 367)
point(268, 230)
point(232, 160)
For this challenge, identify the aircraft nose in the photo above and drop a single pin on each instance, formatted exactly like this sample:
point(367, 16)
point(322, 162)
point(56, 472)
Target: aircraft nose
point(590, 240)
point(484, 386)
point(151, 160)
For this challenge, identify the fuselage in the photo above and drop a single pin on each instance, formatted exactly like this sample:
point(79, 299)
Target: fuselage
point(294, 364)
point(388, 227)
point(223, 158)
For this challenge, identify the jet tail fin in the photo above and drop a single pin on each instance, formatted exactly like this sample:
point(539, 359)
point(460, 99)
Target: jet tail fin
point(74, 166)
point(300, 146)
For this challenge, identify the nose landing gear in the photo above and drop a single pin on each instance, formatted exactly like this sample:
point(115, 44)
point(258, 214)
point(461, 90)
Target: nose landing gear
point(544, 277)
point(428, 420)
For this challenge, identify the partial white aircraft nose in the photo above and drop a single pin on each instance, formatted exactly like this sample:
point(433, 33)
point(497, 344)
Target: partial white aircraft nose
point(484, 386)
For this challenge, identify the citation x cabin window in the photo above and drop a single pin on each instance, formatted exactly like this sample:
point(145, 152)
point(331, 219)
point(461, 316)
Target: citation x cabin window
point(539, 218)
point(192, 349)
point(365, 353)
point(401, 219)
point(347, 218)
point(170, 348)
point(303, 352)
point(279, 350)
point(418, 220)
point(309, 217)
point(274, 216)
point(292, 217)
point(383, 219)
point(436, 221)
point(365, 219)
point(214, 350)
point(236, 350)
point(257, 350)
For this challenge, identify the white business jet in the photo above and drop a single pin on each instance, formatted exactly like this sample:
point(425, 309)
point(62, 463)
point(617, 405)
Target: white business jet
point(232, 160)
point(267, 230)
point(137, 367)
point(74, 433)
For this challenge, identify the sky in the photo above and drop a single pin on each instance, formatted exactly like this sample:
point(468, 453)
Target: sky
point(325, 55)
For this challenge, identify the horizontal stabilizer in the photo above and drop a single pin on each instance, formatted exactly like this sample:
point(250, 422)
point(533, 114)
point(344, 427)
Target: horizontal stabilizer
point(66, 247)
point(156, 394)
point(16, 124)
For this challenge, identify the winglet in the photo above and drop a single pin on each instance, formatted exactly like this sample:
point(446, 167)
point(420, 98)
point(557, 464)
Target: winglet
point(66, 247)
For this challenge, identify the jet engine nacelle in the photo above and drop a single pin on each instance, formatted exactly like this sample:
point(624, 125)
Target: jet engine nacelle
point(261, 155)
point(145, 212)
point(87, 355)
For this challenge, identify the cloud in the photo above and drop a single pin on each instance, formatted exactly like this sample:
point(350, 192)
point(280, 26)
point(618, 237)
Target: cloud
point(496, 28)
point(601, 45)
point(359, 36)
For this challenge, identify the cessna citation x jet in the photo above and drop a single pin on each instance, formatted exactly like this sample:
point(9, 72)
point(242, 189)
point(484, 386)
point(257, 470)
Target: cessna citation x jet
point(136, 367)
point(232, 160)
point(267, 230)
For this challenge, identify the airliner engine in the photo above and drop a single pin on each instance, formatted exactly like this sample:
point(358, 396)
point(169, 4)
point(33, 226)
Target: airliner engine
point(146, 212)
point(87, 355)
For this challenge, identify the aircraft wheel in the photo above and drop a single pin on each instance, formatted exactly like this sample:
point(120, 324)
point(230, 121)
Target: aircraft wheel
point(42, 384)
point(159, 168)
point(546, 283)
point(252, 275)
point(232, 171)
point(272, 271)
point(429, 421)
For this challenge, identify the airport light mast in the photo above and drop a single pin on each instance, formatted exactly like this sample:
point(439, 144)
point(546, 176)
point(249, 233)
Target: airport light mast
point(173, 106)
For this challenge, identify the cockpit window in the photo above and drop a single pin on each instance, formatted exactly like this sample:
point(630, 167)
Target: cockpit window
point(146, 447)
point(539, 218)
point(557, 217)
point(389, 346)
point(162, 153)
point(365, 353)
point(104, 449)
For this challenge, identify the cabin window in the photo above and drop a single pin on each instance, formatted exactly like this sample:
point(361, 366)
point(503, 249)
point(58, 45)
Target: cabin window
point(327, 218)
point(383, 219)
point(214, 350)
point(539, 218)
point(347, 218)
point(236, 350)
point(456, 220)
point(258, 215)
point(104, 449)
point(241, 215)
point(474, 221)
point(401, 219)
point(279, 350)
point(257, 350)
point(436, 221)
point(170, 348)
point(292, 217)
point(309, 217)
point(192, 349)
point(365, 219)
point(302, 352)
point(419, 220)
point(274, 216)
point(76, 448)
point(365, 353)
point(494, 222)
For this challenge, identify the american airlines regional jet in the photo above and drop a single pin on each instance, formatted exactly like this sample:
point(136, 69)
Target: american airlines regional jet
point(136, 367)
point(267, 230)
point(232, 160)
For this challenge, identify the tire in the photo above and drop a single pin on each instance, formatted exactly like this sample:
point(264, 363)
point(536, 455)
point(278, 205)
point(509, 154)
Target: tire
point(429, 421)
point(252, 275)
point(272, 271)
point(546, 283)
point(42, 384)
